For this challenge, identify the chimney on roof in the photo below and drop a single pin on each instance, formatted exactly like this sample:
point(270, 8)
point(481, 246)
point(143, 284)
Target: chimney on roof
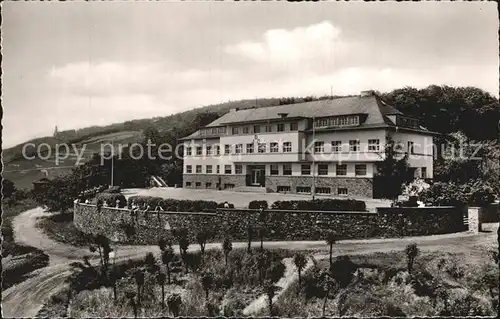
point(367, 93)
point(282, 115)
point(233, 110)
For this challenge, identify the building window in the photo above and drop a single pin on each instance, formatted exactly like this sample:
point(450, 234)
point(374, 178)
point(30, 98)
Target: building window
point(209, 150)
point(423, 172)
point(199, 151)
point(341, 169)
point(303, 189)
point(269, 128)
point(323, 169)
point(188, 184)
point(374, 145)
point(218, 169)
point(305, 169)
point(189, 169)
point(274, 147)
point(360, 169)
point(319, 147)
point(250, 148)
point(410, 148)
point(287, 147)
point(198, 184)
point(235, 130)
point(217, 150)
point(188, 151)
point(323, 190)
point(198, 169)
point(336, 146)
point(287, 169)
point(227, 169)
point(208, 185)
point(281, 127)
point(354, 145)
point(208, 169)
point(274, 169)
point(342, 191)
point(262, 147)
point(238, 169)
point(238, 149)
point(294, 126)
point(283, 189)
point(228, 186)
point(246, 130)
point(256, 129)
point(227, 149)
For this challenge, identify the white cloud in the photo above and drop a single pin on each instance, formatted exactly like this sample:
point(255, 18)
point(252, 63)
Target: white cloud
point(291, 48)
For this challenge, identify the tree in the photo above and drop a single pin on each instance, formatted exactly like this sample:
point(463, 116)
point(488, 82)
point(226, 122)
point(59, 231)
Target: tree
point(101, 244)
point(202, 237)
point(139, 281)
point(275, 271)
point(227, 246)
point(183, 239)
point(249, 237)
point(392, 172)
point(130, 296)
point(300, 263)
point(174, 303)
point(150, 263)
point(167, 256)
point(207, 281)
point(262, 226)
point(411, 252)
point(331, 239)
point(328, 283)
point(8, 188)
point(270, 290)
point(161, 277)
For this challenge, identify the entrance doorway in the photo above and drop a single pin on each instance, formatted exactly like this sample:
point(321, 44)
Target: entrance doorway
point(256, 175)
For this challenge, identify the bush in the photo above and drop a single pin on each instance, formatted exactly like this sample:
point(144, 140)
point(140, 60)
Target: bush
point(110, 199)
point(256, 204)
point(113, 190)
point(321, 204)
point(474, 193)
point(175, 205)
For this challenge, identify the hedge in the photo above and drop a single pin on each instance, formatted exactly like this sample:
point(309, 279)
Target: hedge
point(256, 204)
point(321, 204)
point(110, 199)
point(174, 205)
point(113, 190)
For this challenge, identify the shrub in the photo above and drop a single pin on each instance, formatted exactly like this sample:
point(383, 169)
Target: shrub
point(174, 205)
point(474, 193)
point(113, 190)
point(256, 204)
point(110, 199)
point(321, 204)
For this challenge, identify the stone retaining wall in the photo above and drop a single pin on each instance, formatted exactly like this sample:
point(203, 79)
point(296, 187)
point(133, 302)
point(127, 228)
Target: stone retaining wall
point(279, 225)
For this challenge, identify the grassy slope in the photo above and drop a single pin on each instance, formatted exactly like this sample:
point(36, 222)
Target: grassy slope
point(23, 172)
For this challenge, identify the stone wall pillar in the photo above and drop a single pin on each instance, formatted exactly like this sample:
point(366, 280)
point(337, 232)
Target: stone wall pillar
point(474, 219)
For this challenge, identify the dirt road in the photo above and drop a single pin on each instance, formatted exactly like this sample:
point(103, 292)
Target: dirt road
point(27, 298)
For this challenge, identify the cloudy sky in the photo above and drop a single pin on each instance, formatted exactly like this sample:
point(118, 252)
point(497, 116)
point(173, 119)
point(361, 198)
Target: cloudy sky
point(81, 64)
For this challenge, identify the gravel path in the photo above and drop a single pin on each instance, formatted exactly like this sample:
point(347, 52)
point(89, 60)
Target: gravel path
point(27, 298)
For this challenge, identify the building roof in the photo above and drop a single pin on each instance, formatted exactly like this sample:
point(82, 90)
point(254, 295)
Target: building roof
point(371, 105)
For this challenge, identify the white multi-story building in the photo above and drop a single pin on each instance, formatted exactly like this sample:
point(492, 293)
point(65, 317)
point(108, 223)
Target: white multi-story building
point(332, 146)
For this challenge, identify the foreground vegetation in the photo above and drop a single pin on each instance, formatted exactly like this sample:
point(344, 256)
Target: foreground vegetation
point(407, 283)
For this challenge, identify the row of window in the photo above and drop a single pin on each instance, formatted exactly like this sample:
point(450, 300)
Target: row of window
point(281, 189)
point(286, 147)
point(228, 169)
point(305, 169)
point(280, 127)
point(350, 120)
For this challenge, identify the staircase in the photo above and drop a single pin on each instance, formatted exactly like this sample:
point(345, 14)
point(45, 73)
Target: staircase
point(159, 182)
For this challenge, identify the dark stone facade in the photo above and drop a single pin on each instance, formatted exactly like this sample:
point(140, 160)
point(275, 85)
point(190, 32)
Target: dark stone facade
point(213, 179)
point(279, 225)
point(362, 187)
